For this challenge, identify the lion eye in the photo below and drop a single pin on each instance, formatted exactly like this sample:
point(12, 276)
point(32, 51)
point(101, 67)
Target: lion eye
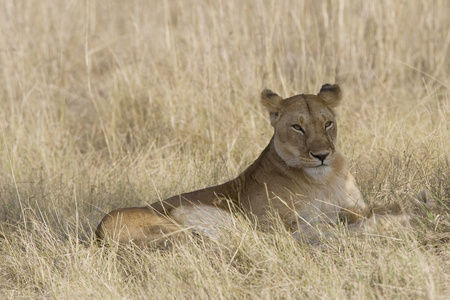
point(328, 125)
point(298, 128)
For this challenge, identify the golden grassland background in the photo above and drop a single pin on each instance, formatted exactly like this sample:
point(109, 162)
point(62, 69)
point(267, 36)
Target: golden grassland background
point(108, 104)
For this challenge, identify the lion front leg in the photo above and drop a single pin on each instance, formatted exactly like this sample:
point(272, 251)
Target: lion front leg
point(382, 218)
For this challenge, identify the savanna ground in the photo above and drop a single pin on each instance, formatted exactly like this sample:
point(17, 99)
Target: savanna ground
point(108, 104)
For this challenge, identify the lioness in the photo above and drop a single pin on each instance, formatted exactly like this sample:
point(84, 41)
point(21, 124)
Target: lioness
point(300, 176)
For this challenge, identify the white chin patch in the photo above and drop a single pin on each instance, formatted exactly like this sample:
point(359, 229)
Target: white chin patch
point(317, 171)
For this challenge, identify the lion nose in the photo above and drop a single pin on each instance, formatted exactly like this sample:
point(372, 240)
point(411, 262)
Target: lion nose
point(320, 156)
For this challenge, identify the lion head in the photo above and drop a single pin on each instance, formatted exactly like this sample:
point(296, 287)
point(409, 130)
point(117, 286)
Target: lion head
point(305, 128)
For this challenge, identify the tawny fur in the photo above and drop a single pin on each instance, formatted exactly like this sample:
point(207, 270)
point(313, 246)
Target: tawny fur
point(299, 176)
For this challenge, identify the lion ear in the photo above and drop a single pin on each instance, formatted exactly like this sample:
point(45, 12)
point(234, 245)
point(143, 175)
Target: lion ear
point(273, 103)
point(331, 94)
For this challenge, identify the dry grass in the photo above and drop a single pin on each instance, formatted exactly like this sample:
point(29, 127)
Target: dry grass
point(109, 104)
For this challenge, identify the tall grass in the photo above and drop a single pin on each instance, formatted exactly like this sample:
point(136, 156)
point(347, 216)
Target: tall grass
point(108, 104)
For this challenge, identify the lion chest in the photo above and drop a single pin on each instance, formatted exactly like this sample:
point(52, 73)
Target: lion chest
point(304, 202)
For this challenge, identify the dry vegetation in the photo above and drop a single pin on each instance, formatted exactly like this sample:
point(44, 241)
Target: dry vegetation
point(108, 104)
